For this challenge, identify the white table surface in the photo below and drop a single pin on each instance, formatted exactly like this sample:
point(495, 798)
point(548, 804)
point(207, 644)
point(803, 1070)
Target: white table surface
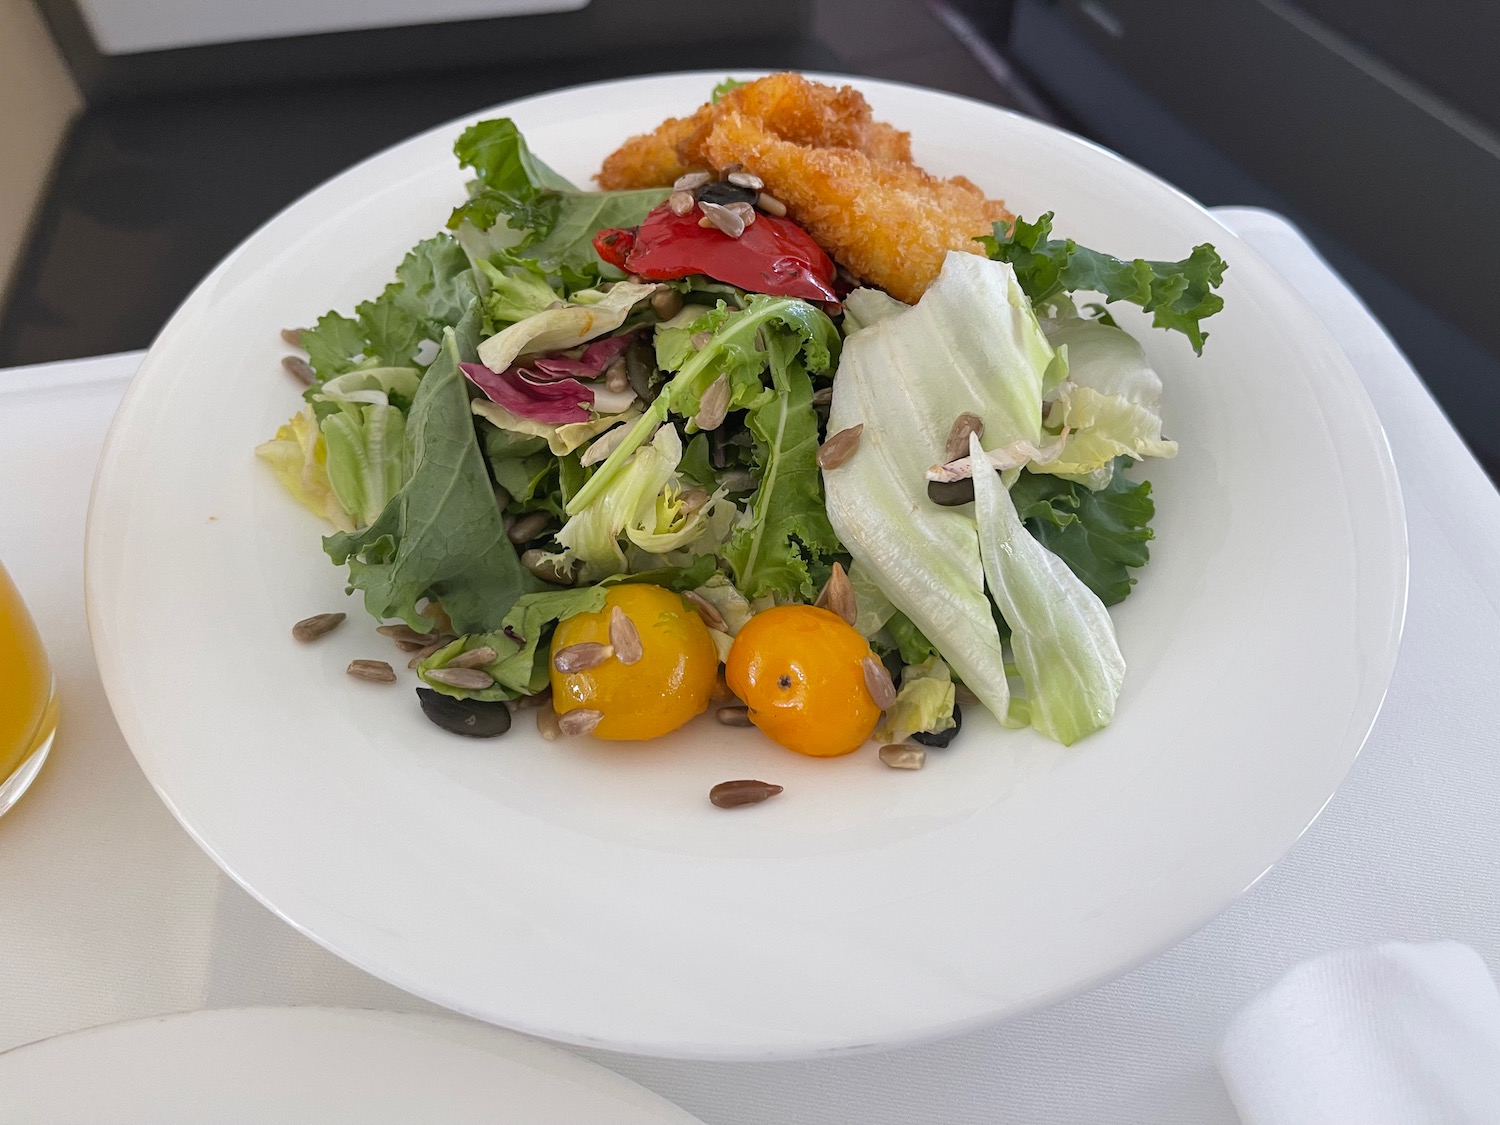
point(108, 911)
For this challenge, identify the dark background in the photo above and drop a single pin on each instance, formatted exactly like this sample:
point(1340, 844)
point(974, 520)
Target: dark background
point(1374, 125)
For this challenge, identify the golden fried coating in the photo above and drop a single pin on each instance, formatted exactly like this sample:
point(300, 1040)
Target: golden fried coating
point(890, 223)
point(788, 105)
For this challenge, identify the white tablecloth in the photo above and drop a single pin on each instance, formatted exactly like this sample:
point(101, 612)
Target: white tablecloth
point(108, 911)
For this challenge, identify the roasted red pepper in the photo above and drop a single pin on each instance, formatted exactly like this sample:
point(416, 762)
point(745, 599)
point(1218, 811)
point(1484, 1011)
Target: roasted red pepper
point(773, 256)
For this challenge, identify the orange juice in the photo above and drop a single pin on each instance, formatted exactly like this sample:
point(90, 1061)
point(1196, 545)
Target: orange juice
point(28, 713)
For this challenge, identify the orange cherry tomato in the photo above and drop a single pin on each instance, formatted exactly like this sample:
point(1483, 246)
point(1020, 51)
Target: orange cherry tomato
point(665, 688)
point(800, 671)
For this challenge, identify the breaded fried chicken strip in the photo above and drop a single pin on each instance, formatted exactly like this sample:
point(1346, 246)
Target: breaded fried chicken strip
point(787, 105)
point(889, 223)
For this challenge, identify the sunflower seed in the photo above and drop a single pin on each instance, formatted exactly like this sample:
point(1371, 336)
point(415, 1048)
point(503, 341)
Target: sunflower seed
point(770, 205)
point(580, 720)
point(732, 794)
point(405, 634)
point(682, 202)
point(720, 692)
point(838, 595)
point(737, 480)
point(722, 217)
point(548, 567)
point(423, 653)
point(293, 336)
point(690, 180)
point(318, 625)
point(581, 657)
point(840, 447)
point(730, 169)
point(902, 757)
point(605, 444)
point(470, 679)
point(410, 646)
point(666, 302)
point(745, 211)
point(711, 616)
point(958, 437)
point(733, 716)
point(691, 500)
point(713, 405)
point(964, 695)
point(474, 658)
point(878, 682)
point(624, 636)
point(376, 671)
point(746, 179)
point(299, 368)
point(502, 498)
point(526, 702)
point(616, 378)
point(823, 396)
point(528, 527)
point(547, 725)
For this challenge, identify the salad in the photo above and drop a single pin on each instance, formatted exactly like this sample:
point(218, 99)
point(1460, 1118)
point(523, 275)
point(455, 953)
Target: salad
point(624, 455)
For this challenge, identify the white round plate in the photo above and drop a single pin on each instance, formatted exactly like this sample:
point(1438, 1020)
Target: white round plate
point(588, 892)
point(313, 1066)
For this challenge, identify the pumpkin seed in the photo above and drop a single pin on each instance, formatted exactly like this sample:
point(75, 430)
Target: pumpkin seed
point(746, 791)
point(318, 625)
point(472, 718)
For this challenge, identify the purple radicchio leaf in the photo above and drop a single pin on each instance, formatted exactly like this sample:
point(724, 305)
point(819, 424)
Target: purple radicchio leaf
point(556, 401)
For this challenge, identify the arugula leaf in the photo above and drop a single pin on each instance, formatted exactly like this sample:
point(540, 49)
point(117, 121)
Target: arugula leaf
point(1101, 535)
point(441, 535)
point(1178, 294)
point(788, 525)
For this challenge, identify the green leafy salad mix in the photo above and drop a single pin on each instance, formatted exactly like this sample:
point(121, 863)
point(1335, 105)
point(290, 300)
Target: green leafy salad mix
point(517, 428)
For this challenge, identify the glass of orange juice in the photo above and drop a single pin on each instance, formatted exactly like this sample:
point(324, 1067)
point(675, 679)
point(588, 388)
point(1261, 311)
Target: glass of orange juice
point(28, 705)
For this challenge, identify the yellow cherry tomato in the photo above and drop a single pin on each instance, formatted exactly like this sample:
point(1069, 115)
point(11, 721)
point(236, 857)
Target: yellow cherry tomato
point(800, 671)
point(665, 688)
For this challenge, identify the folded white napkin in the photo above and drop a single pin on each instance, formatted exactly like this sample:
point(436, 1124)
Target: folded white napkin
point(1392, 1034)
